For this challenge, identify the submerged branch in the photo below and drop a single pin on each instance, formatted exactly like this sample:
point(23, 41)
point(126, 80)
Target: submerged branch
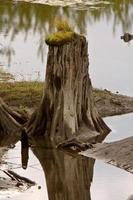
point(22, 178)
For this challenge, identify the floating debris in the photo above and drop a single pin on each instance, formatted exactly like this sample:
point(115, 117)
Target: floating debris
point(127, 37)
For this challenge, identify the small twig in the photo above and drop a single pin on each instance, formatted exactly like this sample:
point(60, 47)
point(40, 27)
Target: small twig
point(21, 178)
point(14, 179)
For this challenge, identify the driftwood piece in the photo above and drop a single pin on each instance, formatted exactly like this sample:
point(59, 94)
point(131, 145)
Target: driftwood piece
point(8, 174)
point(119, 153)
point(16, 182)
point(21, 178)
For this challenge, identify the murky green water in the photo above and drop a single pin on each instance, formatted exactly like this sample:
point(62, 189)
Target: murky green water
point(23, 29)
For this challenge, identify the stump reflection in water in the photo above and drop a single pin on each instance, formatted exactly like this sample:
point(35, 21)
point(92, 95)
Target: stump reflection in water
point(24, 149)
point(68, 177)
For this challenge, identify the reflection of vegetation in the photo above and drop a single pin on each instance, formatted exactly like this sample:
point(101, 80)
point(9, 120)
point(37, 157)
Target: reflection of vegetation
point(7, 51)
point(26, 17)
point(5, 76)
point(63, 25)
point(120, 10)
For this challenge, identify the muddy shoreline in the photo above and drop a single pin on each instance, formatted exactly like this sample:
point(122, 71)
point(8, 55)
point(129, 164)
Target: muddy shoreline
point(111, 104)
point(26, 96)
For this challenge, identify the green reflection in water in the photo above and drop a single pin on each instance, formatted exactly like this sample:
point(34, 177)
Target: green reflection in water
point(16, 17)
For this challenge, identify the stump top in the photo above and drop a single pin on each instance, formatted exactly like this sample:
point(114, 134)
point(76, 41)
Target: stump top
point(60, 38)
point(64, 34)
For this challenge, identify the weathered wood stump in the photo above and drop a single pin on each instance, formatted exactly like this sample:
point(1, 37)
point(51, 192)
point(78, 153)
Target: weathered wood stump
point(67, 109)
point(10, 121)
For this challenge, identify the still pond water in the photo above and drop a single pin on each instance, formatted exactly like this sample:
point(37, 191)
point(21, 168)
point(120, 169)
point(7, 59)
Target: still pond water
point(23, 28)
point(72, 178)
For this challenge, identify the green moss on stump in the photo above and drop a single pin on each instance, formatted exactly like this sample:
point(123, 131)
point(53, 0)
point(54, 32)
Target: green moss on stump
point(60, 38)
point(63, 35)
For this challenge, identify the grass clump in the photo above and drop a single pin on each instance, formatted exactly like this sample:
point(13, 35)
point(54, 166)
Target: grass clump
point(22, 94)
point(63, 35)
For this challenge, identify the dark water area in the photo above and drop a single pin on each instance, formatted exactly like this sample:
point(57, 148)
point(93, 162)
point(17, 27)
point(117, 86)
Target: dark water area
point(23, 52)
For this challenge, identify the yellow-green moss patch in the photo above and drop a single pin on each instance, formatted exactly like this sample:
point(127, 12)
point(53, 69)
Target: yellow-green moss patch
point(63, 35)
point(60, 37)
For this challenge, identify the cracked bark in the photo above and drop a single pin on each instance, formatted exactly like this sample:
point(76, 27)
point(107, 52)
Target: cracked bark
point(67, 109)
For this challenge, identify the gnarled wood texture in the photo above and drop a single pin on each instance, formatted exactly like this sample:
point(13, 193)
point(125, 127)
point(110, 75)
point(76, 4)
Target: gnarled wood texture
point(10, 121)
point(67, 109)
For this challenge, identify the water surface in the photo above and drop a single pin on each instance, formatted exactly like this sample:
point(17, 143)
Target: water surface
point(24, 27)
point(67, 175)
point(110, 182)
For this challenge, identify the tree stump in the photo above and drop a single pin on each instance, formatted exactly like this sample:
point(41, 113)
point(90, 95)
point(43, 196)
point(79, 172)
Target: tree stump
point(67, 111)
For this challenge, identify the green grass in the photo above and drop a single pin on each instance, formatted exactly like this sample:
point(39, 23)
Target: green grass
point(27, 94)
